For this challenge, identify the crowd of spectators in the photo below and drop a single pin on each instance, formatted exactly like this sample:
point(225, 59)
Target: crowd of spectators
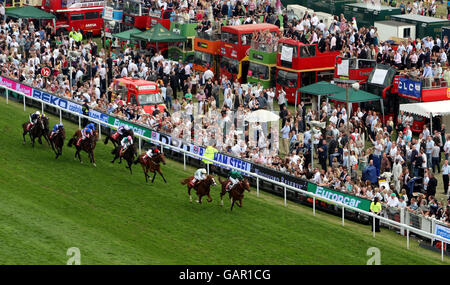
point(352, 150)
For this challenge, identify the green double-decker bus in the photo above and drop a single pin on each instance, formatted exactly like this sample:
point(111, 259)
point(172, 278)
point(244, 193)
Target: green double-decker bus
point(183, 51)
point(262, 64)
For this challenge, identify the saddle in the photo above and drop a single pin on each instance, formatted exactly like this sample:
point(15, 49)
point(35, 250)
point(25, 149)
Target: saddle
point(115, 135)
point(30, 126)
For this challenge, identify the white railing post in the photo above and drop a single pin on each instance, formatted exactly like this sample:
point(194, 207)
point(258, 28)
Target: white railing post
point(7, 95)
point(79, 122)
point(285, 202)
point(343, 215)
point(314, 206)
point(162, 148)
point(140, 145)
point(99, 131)
point(24, 108)
point(373, 225)
point(42, 109)
point(442, 250)
point(60, 114)
point(184, 160)
point(402, 221)
point(257, 186)
point(207, 167)
point(407, 238)
point(433, 226)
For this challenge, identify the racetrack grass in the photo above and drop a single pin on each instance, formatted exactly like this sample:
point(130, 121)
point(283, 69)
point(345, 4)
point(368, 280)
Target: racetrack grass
point(48, 206)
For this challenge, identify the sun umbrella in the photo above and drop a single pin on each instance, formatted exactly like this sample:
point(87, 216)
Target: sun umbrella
point(262, 116)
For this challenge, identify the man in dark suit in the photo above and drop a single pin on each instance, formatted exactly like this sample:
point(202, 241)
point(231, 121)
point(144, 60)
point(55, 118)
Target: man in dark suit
point(323, 151)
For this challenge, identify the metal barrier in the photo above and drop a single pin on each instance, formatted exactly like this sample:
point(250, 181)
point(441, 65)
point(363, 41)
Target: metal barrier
point(288, 190)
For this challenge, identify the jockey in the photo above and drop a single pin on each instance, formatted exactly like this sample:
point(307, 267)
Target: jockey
point(150, 152)
point(199, 175)
point(33, 118)
point(235, 177)
point(56, 130)
point(126, 142)
point(86, 132)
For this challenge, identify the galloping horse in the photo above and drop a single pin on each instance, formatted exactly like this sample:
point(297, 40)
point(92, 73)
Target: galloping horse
point(236, 193)
point(202, 187)
point(37, 131)
point(115, 138)
point(151, 165)
point(128, 155)
point(57, 141)
point(88, 145)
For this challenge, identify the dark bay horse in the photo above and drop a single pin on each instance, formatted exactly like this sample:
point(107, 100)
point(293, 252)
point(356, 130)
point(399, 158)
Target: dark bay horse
point(236, 193)
point(202, 188)
point(57, 141)
point(128, 155)
point(37, 131)
point(152, 164)
point(88, 145)
point(115, 138)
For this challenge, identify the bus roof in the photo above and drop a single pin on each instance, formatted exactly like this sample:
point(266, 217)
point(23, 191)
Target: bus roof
point(250, 28)
point(135, 81)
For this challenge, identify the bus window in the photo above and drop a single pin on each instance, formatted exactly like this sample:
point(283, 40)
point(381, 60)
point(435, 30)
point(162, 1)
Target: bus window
point(203, 58)
point(133, 99)
point(230, 38)
point(352, 64)
point(76, 17)
point(92, 15)
point(294, 49)
point(364, 63)
point(259, 71)
point(325, 75)
point(61, 17)
point(307, 78)
point(308, 51)
point(229, 64)
point(188, 45)
point(246, 39)
point(286, 78)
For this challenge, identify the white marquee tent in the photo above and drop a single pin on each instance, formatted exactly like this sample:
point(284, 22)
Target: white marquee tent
point(428, 109)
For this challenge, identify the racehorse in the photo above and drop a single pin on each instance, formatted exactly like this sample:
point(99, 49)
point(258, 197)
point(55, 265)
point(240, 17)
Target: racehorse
point(115, 138)
point(151, 165)
point(128, 155)
point(236, 193)
point(88, 145)
point(57, 141)
point(37, 131)
point(202, 187)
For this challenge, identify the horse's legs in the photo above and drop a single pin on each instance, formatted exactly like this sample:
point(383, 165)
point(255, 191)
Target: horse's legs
point(129, 166)
point(189, 193)
point(154, 175)
point(23, 135)
point(115, 157)
point(159, 171)
point(240, 203)
point(93, 158)
point(232, 204)
point(209, 198)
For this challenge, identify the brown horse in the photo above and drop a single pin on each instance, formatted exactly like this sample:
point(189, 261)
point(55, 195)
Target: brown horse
point(128, 155)
point(236, 193)
point(37, 131)
point(202, 188)
point(151, 165)
point(57, 141)
point(88, 145)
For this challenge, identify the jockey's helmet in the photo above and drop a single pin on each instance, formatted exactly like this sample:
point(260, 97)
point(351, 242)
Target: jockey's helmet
point(38, 113)
point(129, 138)
point(127, 127)
point(203, 171)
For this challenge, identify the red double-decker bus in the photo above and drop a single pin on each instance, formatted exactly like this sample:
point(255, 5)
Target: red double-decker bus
point(348, 70)
point(300, 64)
point(85, 15)
point(207, 52)
point(137, 16)
point(234, 48)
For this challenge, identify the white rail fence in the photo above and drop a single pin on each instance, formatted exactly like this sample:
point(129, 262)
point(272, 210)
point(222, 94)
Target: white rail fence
point(401, 226)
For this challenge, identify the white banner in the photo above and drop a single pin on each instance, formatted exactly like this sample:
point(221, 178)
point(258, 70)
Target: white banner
point(286, 53)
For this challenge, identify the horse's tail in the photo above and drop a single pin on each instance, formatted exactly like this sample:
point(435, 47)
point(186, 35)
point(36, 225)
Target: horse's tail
point(137, 159)
point(185, 181)
point(71, 142)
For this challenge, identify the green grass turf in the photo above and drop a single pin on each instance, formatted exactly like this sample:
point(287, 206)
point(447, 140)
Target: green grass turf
point(48, 206)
